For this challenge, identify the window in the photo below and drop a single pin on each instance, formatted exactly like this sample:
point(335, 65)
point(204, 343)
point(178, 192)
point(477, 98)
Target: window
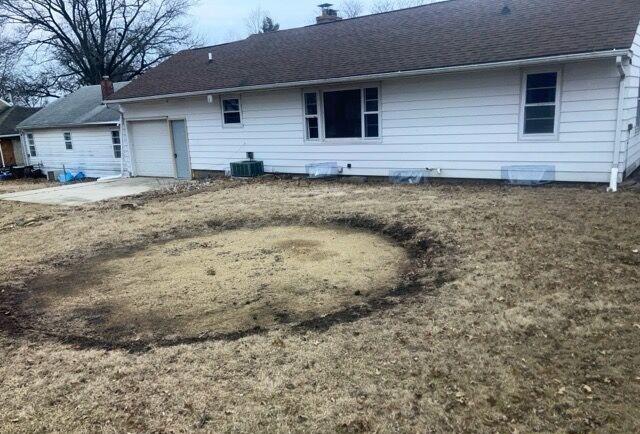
point(231, 111)
point(68, 144)
point(540, 103)
point(371, 112)
point(344, 114)
point(312, 123)
point(117, 146)
point(32, 145)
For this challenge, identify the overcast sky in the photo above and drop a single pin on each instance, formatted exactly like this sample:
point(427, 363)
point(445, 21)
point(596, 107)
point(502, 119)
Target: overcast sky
point(221, 21)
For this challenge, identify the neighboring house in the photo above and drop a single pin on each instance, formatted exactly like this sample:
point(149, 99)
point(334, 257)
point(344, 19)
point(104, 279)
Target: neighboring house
point(460, 88)
point(11, 153)
point(76, 132)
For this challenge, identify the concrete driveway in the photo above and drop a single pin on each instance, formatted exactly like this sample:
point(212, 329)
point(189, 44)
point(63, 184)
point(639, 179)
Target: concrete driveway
point(88, 192)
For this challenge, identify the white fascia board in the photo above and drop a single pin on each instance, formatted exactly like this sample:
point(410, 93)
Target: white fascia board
point(55, 127)
point(381, 76)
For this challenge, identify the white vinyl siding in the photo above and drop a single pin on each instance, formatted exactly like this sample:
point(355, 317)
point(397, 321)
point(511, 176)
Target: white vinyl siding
point(467, 125)
point(630, 151)
point(92, 151)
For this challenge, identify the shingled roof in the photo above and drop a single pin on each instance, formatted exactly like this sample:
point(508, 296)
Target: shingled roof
point(10, 117)
point(444, 34)
point(82, 107)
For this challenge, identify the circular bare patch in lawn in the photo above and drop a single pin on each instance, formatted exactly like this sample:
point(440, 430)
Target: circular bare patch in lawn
point(218, 284)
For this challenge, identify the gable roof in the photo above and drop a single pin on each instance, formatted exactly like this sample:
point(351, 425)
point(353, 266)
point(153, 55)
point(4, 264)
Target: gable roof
point(82, 107)
point(10, 118)
point(437, 35)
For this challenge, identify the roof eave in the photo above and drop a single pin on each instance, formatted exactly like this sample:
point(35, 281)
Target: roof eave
point(45, 127)
point(412, 73)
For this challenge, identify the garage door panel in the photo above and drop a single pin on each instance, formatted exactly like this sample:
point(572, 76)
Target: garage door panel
point(152, 149)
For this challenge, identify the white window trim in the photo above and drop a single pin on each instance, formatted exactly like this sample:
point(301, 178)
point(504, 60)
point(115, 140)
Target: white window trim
point(306, 116)
point(70, 141)
point(113, 145)
point(321, 124)
point(363, 97)
point(31, 143)
point(523, 99)
point(222, 112)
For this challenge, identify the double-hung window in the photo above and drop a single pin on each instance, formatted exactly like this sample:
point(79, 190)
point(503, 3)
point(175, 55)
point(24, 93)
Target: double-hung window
point(371, 112)
point(540, 103)
point(311, 114)
point(231, 112)
point(117, 146)
point(68, 144)
point(343, 114)
point(32, 145)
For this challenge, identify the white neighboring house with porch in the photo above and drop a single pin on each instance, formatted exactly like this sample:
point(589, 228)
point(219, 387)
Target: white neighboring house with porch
point(77, 133)
point(459, 89)
point(11, 153)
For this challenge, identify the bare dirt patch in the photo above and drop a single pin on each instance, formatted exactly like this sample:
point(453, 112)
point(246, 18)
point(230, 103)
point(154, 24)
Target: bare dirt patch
point(225, 283)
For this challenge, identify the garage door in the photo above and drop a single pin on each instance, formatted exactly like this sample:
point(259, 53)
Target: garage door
point(152, 150)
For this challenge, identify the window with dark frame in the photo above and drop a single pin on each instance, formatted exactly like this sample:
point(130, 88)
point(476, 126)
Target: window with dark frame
point(540, 103)
point(312, 124)
point(117, 146)
point(68, 144)
point(231, 111)
point(32, 145)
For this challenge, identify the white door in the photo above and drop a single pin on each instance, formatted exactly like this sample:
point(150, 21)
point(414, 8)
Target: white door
point(152, 149)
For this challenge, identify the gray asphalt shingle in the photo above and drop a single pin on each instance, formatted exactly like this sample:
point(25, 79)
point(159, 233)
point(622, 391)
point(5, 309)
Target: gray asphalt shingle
point(83, 106)
point(449, 33)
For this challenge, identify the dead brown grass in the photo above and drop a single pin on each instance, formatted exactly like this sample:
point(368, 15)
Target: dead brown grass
point(12, 186)
point(530, 321)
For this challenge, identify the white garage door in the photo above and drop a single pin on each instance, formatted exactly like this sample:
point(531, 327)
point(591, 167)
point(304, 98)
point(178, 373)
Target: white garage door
point(152, 149)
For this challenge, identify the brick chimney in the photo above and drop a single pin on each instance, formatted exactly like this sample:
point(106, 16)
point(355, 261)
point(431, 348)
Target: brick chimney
point(328, 15)
point(106, 85)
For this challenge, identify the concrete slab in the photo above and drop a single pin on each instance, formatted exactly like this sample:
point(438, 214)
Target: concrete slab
point(89, 192)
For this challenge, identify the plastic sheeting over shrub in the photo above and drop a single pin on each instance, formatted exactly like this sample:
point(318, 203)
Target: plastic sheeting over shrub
point(323, 170)
point(407, 176)
point(529, 175)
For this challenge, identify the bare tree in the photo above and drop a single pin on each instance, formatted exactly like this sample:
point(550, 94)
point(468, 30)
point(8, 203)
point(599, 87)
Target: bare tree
point(258, 21)
point(351, 8)
point(254, 20)
point(77, 42)
point(16, 85)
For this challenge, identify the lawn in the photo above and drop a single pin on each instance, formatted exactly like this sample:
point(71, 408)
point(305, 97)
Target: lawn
point(291, 305)
point(14, 185)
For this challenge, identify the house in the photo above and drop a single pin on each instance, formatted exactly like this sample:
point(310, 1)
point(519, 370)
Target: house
point(10, 149)
point(459, 88)
point(77, 133)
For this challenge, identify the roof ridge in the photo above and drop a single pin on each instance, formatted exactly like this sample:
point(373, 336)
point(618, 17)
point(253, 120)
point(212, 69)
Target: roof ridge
point(309, 26)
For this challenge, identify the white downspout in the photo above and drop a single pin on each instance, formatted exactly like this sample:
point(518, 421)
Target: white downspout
point(613, 180)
